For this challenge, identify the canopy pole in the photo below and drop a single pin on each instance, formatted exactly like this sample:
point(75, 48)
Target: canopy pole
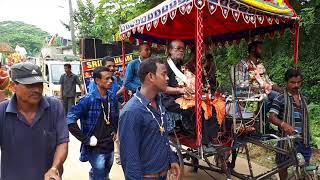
point(198, 81)
point(126, 98)
point(296, 44)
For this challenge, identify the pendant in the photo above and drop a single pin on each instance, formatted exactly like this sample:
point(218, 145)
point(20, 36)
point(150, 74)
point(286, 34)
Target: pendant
point(161, 130)
point(107, 122)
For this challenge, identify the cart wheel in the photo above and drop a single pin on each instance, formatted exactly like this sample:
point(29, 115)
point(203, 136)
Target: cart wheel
point(175, 148)
point(195, 162)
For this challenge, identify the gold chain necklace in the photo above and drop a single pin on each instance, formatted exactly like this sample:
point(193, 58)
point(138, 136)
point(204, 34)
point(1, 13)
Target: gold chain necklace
point(161, 127)
point(107, 119)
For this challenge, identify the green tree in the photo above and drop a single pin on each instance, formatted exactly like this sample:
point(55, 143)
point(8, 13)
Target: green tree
point(28, 36)
point(103, 21)
point(116, 12)
point(85, 18)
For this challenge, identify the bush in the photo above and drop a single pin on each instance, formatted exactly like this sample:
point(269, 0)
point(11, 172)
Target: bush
point(314, 117)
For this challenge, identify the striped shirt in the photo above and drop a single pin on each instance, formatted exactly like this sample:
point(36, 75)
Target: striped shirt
point(278, 108)
point(242, 74)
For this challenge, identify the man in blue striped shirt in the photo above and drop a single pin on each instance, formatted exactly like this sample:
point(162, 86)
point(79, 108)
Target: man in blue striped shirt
point(289, 111)
point(144, 144)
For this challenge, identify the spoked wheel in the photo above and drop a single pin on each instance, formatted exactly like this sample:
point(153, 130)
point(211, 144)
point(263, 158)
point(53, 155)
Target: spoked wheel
point(175, 148)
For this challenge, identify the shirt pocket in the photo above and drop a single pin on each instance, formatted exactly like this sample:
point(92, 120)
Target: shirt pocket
point(50, 140)
point(153, 126)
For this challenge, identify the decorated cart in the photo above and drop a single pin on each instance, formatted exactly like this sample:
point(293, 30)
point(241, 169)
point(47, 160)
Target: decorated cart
point(204, 23)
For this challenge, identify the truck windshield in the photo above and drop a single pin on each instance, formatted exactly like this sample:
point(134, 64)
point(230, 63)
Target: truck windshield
point(58, 70)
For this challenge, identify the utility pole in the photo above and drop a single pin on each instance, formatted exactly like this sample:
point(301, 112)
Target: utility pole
point(73, 38)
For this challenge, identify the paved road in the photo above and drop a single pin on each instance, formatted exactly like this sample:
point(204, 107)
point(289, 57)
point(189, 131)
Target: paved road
point(76, 170)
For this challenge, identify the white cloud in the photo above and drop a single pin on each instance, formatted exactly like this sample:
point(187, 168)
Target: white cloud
point(45, 14)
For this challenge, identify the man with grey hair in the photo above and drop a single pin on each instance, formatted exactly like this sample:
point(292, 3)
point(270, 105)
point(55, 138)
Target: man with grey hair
point(187, 117)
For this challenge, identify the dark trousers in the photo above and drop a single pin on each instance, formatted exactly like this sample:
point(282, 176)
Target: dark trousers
point(210, 127)
point(68, 102)
point(101, 165)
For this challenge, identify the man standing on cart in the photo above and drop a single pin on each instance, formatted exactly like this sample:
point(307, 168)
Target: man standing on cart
point(289, 112)
point(145, 150)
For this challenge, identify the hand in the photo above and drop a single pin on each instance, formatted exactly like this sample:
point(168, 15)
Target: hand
point(122, 105)
point(288, 129)
point(114, 136)
point(121, 91)
point(93, 141)
point(267, 88)
point(175, 170)
point(52, 174)
point(185, 90)
point(189, 91)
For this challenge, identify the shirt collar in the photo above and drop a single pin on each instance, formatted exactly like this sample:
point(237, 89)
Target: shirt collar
point(145, 100)
point(12, 106)
point(140, 59)
point(97, 94)
point(71, 74)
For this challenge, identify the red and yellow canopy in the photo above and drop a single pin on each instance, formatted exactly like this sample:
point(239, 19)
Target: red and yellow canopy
point(223, 20)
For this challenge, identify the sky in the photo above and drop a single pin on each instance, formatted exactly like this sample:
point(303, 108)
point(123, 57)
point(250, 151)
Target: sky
point(45, 14)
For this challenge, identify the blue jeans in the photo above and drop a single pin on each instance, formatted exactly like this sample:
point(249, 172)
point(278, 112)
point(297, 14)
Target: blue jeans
point(101, 165)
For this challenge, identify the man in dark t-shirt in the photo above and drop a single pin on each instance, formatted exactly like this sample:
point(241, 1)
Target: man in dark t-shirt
point(68, 82)
point(98, 113)
point(33, 130)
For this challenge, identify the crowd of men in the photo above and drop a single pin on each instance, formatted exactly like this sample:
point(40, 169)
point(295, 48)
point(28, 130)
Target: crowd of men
point(35, 129)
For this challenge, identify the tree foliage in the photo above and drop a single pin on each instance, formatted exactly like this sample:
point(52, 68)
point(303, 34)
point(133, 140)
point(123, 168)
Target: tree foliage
point(28, 36)
point(115, 12)
point(103, 21)
point(85, 19)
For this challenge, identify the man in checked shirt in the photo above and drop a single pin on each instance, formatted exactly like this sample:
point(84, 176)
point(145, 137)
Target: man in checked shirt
point(250, 73)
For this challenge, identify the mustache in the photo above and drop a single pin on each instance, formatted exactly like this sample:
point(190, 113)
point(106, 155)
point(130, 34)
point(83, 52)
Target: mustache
point(35, 93)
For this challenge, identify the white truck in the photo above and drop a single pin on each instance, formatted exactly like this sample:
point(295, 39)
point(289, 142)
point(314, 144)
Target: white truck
point(52, 71)
point(52, 62)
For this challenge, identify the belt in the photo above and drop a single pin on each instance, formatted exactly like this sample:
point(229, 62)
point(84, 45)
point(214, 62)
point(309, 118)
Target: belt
point(157, 175)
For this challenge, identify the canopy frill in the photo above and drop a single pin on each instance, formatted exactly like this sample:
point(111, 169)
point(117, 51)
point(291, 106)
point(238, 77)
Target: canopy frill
point(223, 20)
